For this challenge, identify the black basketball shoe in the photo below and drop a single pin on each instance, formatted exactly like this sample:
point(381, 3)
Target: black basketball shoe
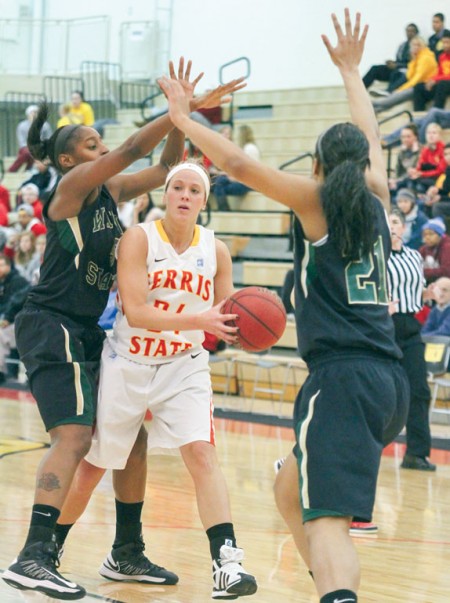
point(35, 569)
point(128, 563)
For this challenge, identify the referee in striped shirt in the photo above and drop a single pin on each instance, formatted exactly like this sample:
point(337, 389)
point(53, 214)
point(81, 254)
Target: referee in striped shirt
point(406, 282)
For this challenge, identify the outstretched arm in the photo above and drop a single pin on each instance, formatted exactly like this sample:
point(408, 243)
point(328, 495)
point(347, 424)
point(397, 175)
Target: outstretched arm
point(346, 55)
point(297, 192)
point(77, 184)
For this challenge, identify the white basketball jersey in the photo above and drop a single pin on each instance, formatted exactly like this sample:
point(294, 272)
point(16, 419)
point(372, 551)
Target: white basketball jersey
point(176, 283)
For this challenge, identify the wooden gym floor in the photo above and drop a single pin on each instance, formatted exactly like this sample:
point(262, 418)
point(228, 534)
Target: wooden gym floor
point(407, 562)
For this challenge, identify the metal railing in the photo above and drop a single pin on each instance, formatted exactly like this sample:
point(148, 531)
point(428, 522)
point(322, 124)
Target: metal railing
point(101, 87)
point(12, 111)
point(148, 104)
point(283, 166)
point(223, 80)
point(132, 93)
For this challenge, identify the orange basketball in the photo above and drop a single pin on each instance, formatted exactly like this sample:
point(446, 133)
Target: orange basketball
point(262, 317)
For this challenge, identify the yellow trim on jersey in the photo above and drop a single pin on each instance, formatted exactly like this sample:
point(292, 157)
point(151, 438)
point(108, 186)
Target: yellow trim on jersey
point(76, 371)
point(75, 226)
point(162, 233)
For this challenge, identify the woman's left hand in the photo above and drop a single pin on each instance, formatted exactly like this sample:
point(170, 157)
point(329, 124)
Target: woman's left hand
point(184, 77)
point(218, 96)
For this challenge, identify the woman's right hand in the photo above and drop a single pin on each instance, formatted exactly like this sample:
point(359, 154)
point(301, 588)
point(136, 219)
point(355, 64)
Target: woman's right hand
point(179, 107)
point(214, 322)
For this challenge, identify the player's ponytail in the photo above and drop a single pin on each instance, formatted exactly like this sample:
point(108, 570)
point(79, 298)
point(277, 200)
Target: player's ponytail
point(343, 152)
point(61, 141)
point(38, 147)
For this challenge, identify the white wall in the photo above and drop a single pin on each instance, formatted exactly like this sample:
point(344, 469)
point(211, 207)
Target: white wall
point(281, 38)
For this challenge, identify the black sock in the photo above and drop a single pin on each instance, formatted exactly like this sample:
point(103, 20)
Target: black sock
point(42, 526)
point(340, 595)
point(61, 531)
point(222, 533)
point(128, 523)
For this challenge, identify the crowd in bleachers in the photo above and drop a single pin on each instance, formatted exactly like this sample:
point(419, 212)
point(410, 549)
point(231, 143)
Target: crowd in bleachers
point(420, 186)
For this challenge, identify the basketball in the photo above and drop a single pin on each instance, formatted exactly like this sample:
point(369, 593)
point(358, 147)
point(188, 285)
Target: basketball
point(262, 317)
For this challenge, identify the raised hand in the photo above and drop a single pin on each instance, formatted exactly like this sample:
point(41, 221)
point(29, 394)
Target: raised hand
point(350, 45)
point(184, 77)
point(219, 95)
point(179, 106)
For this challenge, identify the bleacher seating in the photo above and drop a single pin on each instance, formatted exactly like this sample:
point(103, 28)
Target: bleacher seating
point(256, 231)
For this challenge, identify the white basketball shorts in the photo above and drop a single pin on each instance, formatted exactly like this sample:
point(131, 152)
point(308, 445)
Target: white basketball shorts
point(177, 393)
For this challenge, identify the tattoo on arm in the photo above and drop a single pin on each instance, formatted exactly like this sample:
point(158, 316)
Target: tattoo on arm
point(48, 482)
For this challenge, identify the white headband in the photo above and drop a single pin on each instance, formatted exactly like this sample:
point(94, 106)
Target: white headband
point(195, 168)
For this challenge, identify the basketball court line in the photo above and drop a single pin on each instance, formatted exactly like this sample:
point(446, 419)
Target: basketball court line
point(264, 425)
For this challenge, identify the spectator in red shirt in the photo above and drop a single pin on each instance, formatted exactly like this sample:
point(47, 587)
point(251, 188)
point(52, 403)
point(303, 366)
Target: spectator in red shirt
point(431, 162)
point(26, 220)
point(435, 250)
point(4, 198)
point(437, 87)
point(29, 195)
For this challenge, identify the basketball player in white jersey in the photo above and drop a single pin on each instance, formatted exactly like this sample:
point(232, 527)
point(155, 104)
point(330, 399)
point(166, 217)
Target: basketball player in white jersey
point(173, 277)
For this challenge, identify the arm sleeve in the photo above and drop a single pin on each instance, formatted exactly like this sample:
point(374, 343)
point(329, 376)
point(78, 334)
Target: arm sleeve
point(430, 324)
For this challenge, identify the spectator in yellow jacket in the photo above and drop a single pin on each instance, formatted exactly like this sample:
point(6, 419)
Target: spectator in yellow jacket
point(421, 68)
point(80, 108)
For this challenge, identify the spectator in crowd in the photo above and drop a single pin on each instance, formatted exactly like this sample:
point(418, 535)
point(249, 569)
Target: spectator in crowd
point(151, 212)
point(438, 195)
point(136, 211)
point(26, 220)
point(25, 254)
point(5, 198)
point(29, 195)
point(81, 110)
point(435, 41)
point(193, 152)
point(436, 116)
point(224, 185)
point(66, 117)
point(421, 68)
point(4, 220)
point(393, 72)
point(407, 157)
point(438, 321)
point(44, 176)
point(13, 291)
point(413, 217)
point(23, 156)
point(35, 264)
point(436, 88)
point(435, 250)
point(5, 205)
point(405, 278)
point(431, 163)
